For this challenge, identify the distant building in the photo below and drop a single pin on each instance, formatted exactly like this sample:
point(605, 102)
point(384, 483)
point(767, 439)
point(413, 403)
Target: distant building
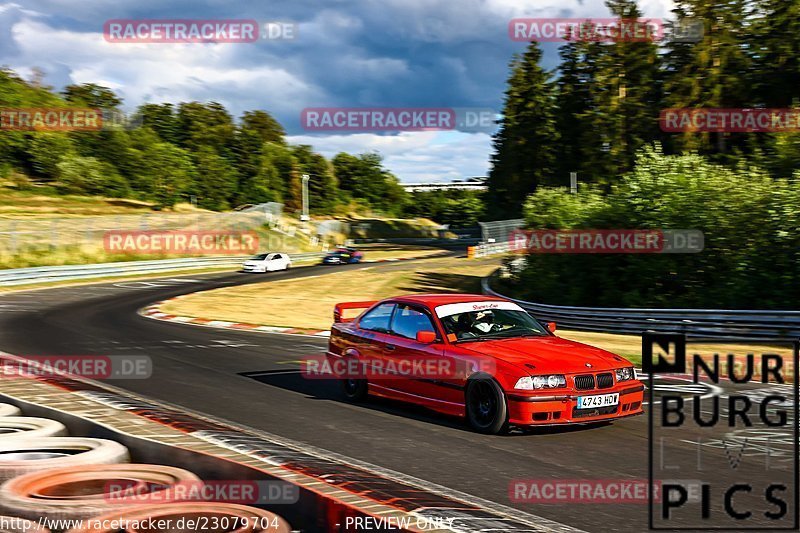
point(477, 183)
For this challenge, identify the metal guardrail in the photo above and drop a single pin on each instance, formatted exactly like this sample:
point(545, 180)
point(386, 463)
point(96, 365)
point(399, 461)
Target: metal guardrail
point(32, 275)
point(486, 249)
point(421, 241)
point(696, 324)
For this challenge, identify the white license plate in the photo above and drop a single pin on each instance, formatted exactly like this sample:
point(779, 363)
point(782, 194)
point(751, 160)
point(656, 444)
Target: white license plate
point(601, 400)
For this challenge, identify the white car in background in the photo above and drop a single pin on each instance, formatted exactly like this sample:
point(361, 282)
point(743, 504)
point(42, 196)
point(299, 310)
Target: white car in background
point(267, 262)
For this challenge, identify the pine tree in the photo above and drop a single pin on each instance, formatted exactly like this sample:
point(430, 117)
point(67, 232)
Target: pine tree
point(624, 92)
point(776, 49)
point(583, 147)
point(524, 155)
point(573, 102)
point(712, 73)
point(776, 83)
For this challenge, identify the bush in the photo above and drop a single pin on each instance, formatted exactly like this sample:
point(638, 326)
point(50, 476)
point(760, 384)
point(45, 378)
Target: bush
point(45, 151)
point(751, 224)
point(87, 175)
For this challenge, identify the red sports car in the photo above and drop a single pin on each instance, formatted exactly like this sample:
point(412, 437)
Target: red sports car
point(479, 357)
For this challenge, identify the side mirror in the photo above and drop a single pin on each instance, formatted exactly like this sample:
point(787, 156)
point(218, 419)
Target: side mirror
point(426, 337)
point(551, 327)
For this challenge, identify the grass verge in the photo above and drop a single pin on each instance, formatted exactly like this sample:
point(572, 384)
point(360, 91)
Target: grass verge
point(307, 303)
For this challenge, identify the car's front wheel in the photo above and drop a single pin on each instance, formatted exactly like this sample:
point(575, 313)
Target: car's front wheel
point(354, 390)
point(487, 411)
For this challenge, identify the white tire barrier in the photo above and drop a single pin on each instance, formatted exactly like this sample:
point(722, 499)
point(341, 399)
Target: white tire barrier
point(21, 456)
point(28, 427)
point(6, 409)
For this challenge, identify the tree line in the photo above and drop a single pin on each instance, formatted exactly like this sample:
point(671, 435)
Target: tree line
point(750, 222)
point(601, 106)
point(184, 151)
point(598, 114)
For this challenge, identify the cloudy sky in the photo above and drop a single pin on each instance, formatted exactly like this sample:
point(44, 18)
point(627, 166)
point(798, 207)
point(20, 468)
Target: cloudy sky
point(353, 53)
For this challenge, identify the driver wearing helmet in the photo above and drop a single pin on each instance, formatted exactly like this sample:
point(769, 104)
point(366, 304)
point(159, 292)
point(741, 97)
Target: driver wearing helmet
point(484, 321)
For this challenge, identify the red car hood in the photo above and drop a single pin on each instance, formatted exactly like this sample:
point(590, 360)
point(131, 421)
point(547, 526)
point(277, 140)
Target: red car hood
point(548, 354)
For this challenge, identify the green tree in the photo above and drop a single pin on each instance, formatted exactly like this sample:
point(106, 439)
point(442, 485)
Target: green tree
point(576, 76)
point(323, 190)
point(264, 125)
point(214, 180)
point(775, 47)
point(278, 171)
point(524, 147)
point(712, 73)
point(87, 175)
point(205, 125)
point(91, 95)
point(45, 151)
point(742, 265)
point(164, 171)
point(111, 145)
point(162, 119)
point(364, 179)
point(16, 92)
point(626, 96)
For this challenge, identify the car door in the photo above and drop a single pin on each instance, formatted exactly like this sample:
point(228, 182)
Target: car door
point(373, 334)
point(420, 362)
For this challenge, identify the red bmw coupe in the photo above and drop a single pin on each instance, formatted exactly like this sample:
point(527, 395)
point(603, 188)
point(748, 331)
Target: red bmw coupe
point(479, 357)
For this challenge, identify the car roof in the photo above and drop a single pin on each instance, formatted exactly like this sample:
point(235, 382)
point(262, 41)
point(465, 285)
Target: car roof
point(435, 300)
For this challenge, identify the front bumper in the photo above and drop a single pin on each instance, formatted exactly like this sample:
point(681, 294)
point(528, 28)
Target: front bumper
point(247, 268)
point(551, 408)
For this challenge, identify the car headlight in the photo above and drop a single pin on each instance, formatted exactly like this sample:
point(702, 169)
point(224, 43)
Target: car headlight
point(625, 374)
point(541, 382)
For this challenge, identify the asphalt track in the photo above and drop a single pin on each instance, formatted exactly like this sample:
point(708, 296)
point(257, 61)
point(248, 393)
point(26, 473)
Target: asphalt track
point(249, 378)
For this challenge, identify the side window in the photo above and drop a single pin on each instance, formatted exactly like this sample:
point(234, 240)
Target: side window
point(407, 321)
point(377, 319)
point(277, 256)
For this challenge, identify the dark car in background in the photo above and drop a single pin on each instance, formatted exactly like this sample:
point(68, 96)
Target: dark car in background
point(343, 256)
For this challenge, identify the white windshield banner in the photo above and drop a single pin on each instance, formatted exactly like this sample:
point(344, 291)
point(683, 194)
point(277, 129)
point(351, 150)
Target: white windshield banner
point(469, 307)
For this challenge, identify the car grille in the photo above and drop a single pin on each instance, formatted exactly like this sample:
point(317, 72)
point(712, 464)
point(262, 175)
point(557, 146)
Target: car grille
point(585, 382)
point(596, 411)
point(605, 381)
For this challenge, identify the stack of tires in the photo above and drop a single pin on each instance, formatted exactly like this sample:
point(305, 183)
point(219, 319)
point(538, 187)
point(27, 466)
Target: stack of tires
point(47, 474)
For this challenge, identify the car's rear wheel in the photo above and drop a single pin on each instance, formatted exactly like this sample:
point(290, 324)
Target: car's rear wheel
point(355, 390)
point(487, 411)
